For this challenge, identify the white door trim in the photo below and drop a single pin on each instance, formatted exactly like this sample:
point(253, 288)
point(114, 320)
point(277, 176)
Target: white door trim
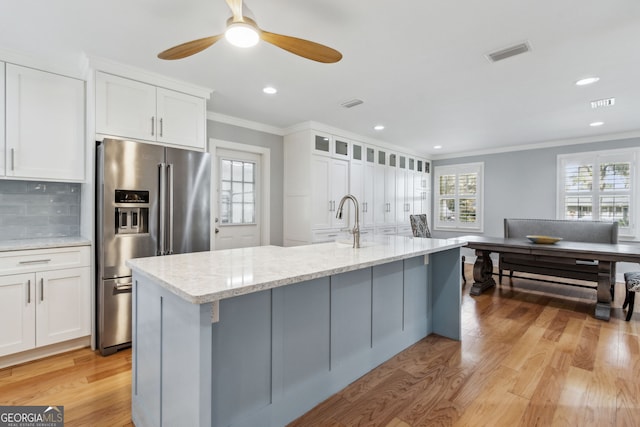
point(265, 202)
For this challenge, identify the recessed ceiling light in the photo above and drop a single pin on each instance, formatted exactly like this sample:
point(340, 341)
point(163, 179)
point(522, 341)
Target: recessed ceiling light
point(437, 147)
point(270, 90)
point(587, 81)
point(378, 127)
point(596, 124)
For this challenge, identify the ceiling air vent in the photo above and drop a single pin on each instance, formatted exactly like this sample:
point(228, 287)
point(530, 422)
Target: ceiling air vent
point(599, 103)
point(352, 103)
point(508, 52)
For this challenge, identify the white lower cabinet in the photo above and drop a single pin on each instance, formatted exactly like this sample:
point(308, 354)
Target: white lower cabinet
point(17, 313)
point(62, 309)
point(47, 305)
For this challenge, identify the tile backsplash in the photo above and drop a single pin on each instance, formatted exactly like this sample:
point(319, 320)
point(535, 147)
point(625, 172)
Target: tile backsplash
point(36, 209)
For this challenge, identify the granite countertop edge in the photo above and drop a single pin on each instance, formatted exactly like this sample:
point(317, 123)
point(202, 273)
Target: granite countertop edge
point(205, 295)
point(43, 243)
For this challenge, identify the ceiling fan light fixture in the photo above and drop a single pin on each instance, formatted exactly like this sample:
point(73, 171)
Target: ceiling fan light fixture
point(241, 34)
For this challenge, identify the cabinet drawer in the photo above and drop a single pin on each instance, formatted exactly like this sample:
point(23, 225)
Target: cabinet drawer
point(44, 259)
point(322, 236)
point(386, 230)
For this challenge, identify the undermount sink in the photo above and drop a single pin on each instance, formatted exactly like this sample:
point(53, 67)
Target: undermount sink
point(349, 243)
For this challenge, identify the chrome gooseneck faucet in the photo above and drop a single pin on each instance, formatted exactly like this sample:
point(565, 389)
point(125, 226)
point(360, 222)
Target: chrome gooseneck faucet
point(356, 227)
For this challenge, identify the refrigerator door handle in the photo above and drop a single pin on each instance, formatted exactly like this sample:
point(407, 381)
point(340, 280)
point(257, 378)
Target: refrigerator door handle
point(162, 208)
point(170, 211)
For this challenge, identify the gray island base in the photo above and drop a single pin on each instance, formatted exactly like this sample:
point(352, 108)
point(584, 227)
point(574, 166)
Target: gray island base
point(259, 336)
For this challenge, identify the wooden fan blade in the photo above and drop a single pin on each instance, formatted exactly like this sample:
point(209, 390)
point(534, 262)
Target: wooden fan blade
point(189, 48)
point(236, 9)
point(305, 48)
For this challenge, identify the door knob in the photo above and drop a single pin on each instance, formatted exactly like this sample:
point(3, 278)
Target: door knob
point(217, 230)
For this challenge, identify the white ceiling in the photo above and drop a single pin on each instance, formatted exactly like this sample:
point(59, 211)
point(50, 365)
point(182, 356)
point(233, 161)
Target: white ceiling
point(419, 66)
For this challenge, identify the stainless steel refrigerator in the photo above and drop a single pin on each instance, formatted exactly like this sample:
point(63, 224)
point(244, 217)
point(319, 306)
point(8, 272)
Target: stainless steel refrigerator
point(150, 201)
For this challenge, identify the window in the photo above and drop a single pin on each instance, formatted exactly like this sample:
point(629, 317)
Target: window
point(458, 197)
point(237, 195)
point(598, 186)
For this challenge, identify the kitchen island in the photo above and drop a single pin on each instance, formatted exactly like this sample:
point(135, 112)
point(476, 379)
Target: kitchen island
point(258, 336)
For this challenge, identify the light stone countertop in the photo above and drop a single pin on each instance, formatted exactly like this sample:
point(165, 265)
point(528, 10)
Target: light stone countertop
point(203, 277)
point(43, 243)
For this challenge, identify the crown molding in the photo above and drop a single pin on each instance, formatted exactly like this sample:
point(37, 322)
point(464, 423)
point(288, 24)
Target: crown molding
point(123, 70)
point(541, 145)
point(237, 121)
point(69, 66)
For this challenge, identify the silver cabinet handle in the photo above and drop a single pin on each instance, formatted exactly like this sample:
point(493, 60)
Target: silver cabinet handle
point(170, 219)
point(153, 126)
point(161, 127)
point(35, 261)
point(13, 159)
point(28, 291)
point(42, 289)
point(329, 205)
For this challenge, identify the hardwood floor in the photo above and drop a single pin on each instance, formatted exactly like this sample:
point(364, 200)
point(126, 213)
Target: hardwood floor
point(94, 390)
point(527, 358)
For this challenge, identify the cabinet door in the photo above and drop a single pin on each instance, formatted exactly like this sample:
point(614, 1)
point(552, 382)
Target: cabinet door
point(322, 206)
point(379, 202)
point(2, 146)
point(402, 215)
point(17, 313)
point(63, 305)
point(339, 182)
point(125, 107)
point(390, 195)
point(181, 119)
point(45, 125)
point(322, 144)
point(356, 186)
point(368, 193)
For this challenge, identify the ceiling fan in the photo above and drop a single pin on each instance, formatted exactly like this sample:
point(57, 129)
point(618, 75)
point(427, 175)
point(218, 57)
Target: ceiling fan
point(244, 32)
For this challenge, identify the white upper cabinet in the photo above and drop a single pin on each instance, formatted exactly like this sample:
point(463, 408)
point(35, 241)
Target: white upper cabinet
point(45, 116)
point(2, 144)
point(181, 118)
point(125, 107)
point(321, 167)
point(131, 109)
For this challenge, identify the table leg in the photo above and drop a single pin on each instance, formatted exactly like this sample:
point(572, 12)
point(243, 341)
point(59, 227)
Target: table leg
point(482, 273)
point(603, 306)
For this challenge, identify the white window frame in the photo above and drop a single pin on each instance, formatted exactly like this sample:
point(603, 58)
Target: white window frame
point(596, 158)
point(457, 170)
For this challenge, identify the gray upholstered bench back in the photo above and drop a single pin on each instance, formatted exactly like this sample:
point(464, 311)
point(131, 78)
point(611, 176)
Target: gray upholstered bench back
point(575, 231)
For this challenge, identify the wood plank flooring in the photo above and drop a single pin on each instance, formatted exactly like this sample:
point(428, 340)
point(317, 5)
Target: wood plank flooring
point(532, 354)
point(528, 357)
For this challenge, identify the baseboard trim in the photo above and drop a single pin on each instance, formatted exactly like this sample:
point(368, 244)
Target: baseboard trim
point(41, 352)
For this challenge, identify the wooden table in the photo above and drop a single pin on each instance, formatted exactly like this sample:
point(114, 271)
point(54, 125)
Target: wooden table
point(605, 254)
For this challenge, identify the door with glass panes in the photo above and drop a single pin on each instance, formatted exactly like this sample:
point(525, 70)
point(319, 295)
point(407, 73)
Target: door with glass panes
point(238, 219)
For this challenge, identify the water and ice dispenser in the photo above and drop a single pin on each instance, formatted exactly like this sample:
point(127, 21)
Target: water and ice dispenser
point(132, 216)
